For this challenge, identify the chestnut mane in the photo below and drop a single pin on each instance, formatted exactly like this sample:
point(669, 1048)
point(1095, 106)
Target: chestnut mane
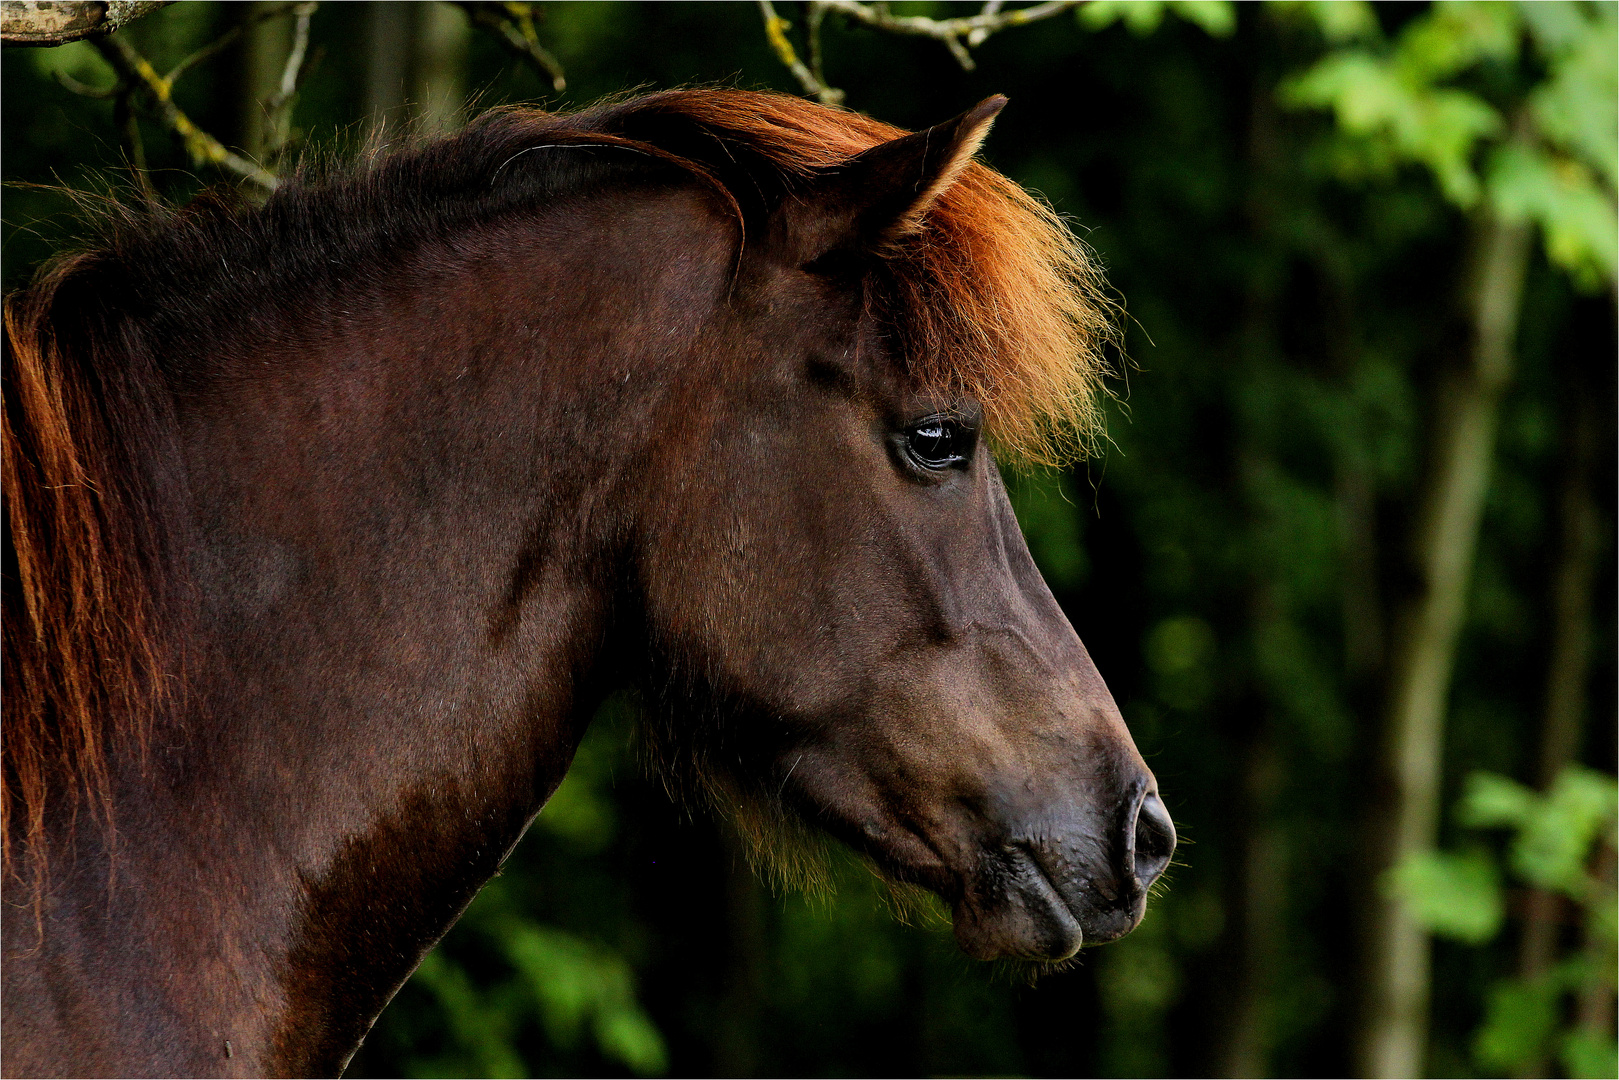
point(992, 299)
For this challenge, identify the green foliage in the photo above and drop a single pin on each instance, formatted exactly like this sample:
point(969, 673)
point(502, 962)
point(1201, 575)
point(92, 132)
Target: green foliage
point(1554, 833)
point(1588, 1056)
point(578, 990)
point(1554, 840)
point(1217, 17)
point(1429, 96)
point(1458, 895)
point(1138, 982)
point(1574, 105)
point(1524, 1023)
point(1520, 1019)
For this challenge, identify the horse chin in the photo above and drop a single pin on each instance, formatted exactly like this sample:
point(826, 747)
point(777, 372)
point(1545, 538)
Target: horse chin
point(1020, 917)
point(1023, 916)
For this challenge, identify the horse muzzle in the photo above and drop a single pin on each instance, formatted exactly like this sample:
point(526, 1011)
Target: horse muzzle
point(1043, 890)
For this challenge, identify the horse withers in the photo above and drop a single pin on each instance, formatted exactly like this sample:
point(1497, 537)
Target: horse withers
point(331, 521)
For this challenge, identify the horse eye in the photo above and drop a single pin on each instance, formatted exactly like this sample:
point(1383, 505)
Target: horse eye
point(937, 443)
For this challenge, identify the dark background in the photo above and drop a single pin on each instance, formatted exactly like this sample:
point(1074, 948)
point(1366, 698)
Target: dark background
point(1224, 559)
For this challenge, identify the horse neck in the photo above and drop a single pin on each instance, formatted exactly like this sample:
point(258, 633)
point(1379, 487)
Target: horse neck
point(409, 512)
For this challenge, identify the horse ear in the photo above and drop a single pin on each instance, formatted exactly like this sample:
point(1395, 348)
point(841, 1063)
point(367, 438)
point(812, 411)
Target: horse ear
point(885, 193)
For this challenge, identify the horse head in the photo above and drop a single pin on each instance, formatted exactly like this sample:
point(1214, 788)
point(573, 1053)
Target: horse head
point(846, 619)
point(334, 516)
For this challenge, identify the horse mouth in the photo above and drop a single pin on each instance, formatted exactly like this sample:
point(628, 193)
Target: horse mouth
point(1016, 909)
point(1028, 903)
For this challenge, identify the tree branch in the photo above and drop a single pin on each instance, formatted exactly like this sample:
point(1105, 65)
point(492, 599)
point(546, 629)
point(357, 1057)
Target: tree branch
point(958, 35)
point(74, 86)
point(513, 24)
point(976, 38)
point(975, 28)
point(279, 107)
point(129, 132)
point(57, 22)
point(138, 74)
point(225, 39)
point(808, 77)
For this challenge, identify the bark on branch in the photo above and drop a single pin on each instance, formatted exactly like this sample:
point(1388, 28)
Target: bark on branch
point(973, 28)
point(958, 35)
point(513, 24)
point(57, 22)
point(134, 70)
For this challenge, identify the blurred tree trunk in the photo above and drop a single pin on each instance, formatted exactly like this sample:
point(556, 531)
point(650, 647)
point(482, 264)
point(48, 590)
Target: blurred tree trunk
point(1262, 908)
point(264, 55)
point(1354, 486)
point(388, 51)
point(1570, 662)
point(1570, 665)
point(438, 83)
point(1392, 1036)
point(416, 68)
point(736, 1047)
point(1259, 897)
point(1594, 1007)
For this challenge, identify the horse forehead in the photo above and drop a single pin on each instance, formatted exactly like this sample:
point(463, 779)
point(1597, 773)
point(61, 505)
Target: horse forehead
point(793, 314)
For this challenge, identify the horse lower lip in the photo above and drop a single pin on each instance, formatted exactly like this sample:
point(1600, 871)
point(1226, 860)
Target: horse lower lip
point(1025, 916)
point(1057, 897)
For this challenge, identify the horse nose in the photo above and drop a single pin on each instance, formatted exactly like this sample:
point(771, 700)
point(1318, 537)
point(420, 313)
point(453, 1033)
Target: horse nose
point(1154, 840)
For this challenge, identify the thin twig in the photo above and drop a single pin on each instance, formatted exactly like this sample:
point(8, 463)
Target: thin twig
point(975, 28)
point(72, 85)
point(513, 24)
point(279, 107)
point(776, 32)
point(976, 38)
point(300, 48)
point(814, 15)
point(921, 26)
point(225, 39)
point(129, 130)
point(958, 35)
point(204, 149)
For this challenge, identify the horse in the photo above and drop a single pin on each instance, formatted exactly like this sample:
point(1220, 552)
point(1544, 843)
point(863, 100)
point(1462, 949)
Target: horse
point(331, 520)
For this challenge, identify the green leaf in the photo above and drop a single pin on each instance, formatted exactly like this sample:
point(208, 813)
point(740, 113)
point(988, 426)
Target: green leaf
point(1217, 17)
point(1141, 16)
point(1490, 800)
point(1578, 219)
point(1457, 895)
point(1452, 37)
point(1555, 841)
point(578, 983)
point(1519, 1020)
point(482, 1035)
point(1555, 25)
point(626, 1035)
point(1339, 21)
point(1435, 126)
point(1586, 1054)
point(1577, 108)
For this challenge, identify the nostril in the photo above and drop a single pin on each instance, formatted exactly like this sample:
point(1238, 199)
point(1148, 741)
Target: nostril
point(1155, 840)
